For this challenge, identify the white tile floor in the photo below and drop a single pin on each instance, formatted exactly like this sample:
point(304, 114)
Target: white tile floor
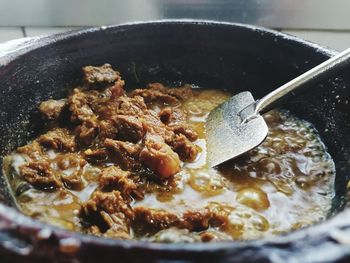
point(337, 40)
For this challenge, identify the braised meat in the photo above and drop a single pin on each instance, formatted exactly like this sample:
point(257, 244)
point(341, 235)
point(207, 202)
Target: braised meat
point(108, 214)
point(100, 77)
point(40, 174)
point(72, 167)
point(87, 131)
point(80, 105)
point(113, 177)
point(52, 109)
point(155, 92)
point(159, 157)
point(33, 151)
point(60, 139)
point(129, 128)
point(132, 165)
point(184, 148)
point(125, 154)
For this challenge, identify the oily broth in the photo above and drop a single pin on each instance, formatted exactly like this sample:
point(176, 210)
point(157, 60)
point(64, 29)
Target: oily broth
point(284, 184)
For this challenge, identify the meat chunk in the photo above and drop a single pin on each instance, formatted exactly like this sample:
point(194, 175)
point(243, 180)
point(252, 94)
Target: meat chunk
point(108, 213)
point(184, 148)
point(113, 177)
point(73, 180)
point(196, 220)
point(125, 154)
point(107, 130)
point(117, 225)
point(153, 125)
point(111, 225)
point(157, 86)
point(96, 155)
point(181, 93)
point(59, 139)
point(154, 96)
point(70, 161)
point(155, 92)
point(122, 106)
point(40, 175)
point(129, 128)
point(155, 219)
point(185, 130)
point(51, 109)
point(87, 131)
point(175, 120)
point(117, 90)
point(110, 202)
point(132, 106)
point(165, 115)
point(33, 150)
point(159, 157)
point(71, 166)
point(172, 116)
point(80, 105)
point(100, 77)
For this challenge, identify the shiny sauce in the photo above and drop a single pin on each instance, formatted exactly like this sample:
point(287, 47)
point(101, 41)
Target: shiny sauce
point(284, 184)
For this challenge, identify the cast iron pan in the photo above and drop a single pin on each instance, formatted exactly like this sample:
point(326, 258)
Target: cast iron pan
point(209, 54)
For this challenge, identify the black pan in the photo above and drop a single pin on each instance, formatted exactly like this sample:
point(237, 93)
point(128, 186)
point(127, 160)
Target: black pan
point(208, 54)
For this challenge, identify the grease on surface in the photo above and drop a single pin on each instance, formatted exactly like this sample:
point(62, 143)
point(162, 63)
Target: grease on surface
point(284, 184)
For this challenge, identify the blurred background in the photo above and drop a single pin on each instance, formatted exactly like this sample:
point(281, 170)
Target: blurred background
point(326, 22)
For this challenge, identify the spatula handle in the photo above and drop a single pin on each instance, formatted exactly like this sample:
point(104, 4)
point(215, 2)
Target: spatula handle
point(317, 73)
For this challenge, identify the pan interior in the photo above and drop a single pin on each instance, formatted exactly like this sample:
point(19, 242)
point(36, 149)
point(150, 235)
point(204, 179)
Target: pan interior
point(220, 56)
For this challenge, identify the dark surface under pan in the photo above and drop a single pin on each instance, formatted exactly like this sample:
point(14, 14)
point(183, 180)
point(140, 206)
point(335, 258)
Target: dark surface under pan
point(208, 54)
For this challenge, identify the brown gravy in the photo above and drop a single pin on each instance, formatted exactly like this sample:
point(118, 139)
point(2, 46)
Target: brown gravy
point(84, 182)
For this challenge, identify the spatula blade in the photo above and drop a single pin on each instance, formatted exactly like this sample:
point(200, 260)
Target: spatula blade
point(227, 136)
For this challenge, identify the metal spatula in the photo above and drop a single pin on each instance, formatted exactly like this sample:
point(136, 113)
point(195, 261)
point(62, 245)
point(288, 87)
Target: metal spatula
point(236, 126)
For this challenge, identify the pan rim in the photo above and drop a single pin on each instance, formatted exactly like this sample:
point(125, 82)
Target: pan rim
point(16, 219)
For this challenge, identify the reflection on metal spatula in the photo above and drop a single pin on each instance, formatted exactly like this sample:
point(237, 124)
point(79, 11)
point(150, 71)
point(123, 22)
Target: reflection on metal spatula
point(236, 126)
